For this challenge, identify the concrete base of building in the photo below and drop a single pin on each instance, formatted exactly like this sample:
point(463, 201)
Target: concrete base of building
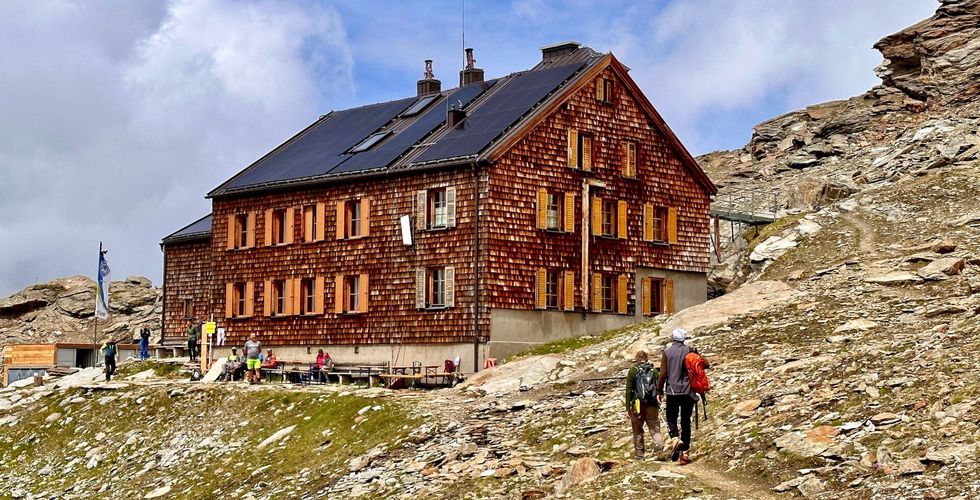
point(394, 354)
point(515, 331)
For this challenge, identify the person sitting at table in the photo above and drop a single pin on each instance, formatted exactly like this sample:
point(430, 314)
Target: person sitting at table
point(269, 363)
point(324, 364)
point(232, 365)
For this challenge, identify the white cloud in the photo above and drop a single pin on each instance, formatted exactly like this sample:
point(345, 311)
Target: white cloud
point(700, 58)
point(114, 122)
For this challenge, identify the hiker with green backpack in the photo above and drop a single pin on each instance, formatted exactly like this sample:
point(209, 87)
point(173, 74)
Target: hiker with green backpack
point(642, 407)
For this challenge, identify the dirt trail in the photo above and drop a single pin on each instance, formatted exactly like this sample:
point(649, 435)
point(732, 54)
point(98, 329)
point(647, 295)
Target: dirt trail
point(730, 485)
point(866, 232)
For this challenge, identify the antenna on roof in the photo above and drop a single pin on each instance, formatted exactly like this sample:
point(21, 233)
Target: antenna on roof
point(462, 24)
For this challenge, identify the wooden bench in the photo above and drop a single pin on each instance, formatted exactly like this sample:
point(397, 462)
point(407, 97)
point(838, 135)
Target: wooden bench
point(347, 373)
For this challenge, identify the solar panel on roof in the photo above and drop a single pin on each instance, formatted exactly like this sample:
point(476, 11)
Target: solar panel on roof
point(320, 148)
point(501, 111)
point(394, 147)
point(419, 105)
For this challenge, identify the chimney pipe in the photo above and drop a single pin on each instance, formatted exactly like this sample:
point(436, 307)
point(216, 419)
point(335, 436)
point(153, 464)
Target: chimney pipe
point(456, 114)
point(470, 74)
point(558, 49)
point(428, 84)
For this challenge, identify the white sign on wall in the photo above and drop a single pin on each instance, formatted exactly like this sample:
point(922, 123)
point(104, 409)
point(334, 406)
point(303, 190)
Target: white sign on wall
point(406, 230)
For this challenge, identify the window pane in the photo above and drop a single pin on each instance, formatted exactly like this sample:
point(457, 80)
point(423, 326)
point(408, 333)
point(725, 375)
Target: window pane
point(553, 211)
point(438, 287)
point(551, 290)
point(354, 209)
point(439, 208)
point(353, 284)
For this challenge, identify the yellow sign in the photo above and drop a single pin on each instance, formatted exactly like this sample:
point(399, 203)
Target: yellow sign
point(210, 327)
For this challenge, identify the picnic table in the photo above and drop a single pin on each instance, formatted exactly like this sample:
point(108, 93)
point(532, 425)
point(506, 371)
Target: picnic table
point(416, 373)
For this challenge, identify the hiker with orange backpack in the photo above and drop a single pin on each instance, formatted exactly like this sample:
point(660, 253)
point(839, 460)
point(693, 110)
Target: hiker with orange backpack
point(675, 385)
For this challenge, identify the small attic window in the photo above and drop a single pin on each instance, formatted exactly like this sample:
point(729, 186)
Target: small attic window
point(369, 143)
point(419, 105)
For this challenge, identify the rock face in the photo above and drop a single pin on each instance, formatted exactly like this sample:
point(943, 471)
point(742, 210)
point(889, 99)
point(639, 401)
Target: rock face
point(923, 116)
point(63, 310)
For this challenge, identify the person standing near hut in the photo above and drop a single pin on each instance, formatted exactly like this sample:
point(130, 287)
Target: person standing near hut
point(144, 343)
point(192, 333)
point(252, 362)
point(109, 354)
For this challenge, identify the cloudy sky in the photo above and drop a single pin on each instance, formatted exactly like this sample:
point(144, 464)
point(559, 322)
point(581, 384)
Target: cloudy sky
point(117, 116)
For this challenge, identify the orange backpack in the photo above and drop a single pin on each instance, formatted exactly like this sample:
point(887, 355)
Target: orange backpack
point(695, 364)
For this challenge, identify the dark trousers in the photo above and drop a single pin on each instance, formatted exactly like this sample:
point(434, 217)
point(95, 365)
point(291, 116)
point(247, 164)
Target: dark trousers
point(682, 406)
point(192, 349)
point(144, 349)
point(110, 367)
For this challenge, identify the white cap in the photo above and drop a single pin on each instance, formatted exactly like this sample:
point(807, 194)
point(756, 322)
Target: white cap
point(679, 334)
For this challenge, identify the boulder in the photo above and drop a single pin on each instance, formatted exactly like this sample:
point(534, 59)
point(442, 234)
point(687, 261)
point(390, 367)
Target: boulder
point(885, 418)
point(582, 470)
point(939, 269)
point(911, 466)
point(771, 248)
point(78, 301)
point(157, 493)
point(747, 408)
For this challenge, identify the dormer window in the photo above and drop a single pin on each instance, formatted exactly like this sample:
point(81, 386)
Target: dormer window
point(369, 143)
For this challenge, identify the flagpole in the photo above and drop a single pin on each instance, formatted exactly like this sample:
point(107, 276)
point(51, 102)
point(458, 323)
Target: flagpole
point(97, 291)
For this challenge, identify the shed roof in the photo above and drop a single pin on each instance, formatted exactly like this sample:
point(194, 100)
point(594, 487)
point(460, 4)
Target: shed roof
point(197, 230)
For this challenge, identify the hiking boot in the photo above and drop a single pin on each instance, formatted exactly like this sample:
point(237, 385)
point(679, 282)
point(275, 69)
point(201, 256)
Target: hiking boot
point(684, 459)
point(639, 457)
point(675, 453)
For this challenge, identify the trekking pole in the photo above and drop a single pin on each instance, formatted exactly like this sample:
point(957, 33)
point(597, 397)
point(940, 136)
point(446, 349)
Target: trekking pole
point(697, 422)
point(704, 404)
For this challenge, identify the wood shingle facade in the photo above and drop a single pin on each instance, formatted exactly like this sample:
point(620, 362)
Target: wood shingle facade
point(582, 213)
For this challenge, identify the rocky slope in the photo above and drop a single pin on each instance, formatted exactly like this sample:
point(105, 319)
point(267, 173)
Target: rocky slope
point(924, 116)
point(63, 310)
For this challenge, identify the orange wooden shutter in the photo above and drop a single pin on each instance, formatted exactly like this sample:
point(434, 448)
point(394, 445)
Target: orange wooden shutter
point(669, 295)
point(420, 288)
point(318, 285)
point(596, 292)
point(421, 209)
point(621, 213)
point(672, 225)
point(267, 240)
point(338, 295)
point(621, 297)
point(569, 290)
point(250, 226)
point(231, 231)
point(267, 298)
point(600, 90)
point(450, 298)
point(542, 208)
point(647, 222)
point(290, 223)
point(632, 159)
point(586, 153)
point(341, 219)
point(363, 293)
point(365, 216)
point(569, 212)
point(450, 207)
point(290, 308)
point(645, 290)
point(308, 224)
point(321, 221)
point(541, 288)
point(229, 300)
point(249, 299)
point(596, 216)
point(297, 296)
point(573, 148)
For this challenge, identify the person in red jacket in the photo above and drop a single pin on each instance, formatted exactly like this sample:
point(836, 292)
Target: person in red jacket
point(270, 360)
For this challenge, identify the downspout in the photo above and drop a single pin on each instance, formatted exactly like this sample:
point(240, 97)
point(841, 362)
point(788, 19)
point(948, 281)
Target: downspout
point(163, 315)
point(476, 269)
point(587, 185)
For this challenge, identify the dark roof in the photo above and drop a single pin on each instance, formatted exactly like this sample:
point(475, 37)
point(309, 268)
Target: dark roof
point(197, 230)
point(322, 151)
point(497, 111)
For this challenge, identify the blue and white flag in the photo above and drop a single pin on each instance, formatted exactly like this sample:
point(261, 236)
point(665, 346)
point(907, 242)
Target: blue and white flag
point(102, 295)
